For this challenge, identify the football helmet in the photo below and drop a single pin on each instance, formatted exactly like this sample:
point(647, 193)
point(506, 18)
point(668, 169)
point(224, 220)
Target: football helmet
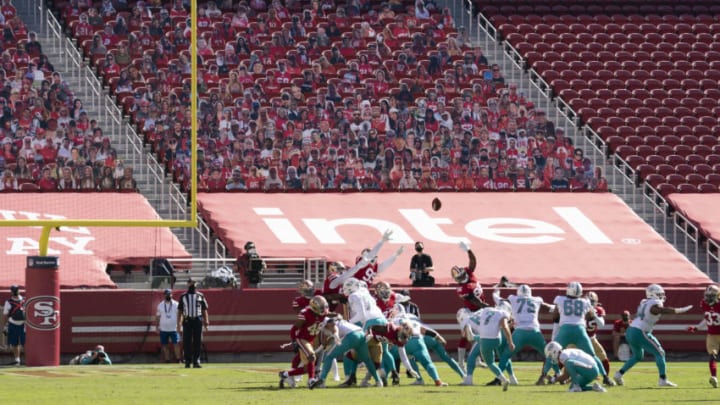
point(462, 315)
point(306, 288)
point(711, 294)
point(574, 289)
point(524, 290)
point(505, 307)
point(459, 274)
point(319, 305)
point(383, 291)
point(478, 292)
point(350, 286)
point(655, 291)
point(552, 351)
point(593, 297)
point(336, 267)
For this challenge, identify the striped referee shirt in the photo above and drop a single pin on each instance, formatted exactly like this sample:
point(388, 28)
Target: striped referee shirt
point(192, 305)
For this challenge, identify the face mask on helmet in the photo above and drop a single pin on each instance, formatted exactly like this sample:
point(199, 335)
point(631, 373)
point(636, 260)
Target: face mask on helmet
point(459, 275)
point(574, 289)
point(505, 307)
point(307, 288)
point(523, 290)
point(552, 351)
point(655, 291)
point(350, 286)
point(462, 315)
point(593, 297)
point(319, 305)
point(383, 291)
point(711, 294)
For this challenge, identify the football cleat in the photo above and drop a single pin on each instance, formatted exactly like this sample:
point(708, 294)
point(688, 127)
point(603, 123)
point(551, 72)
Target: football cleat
point(496, 381)
point(664, 382)
point(418, 382)
point(608, 381)
point(513, 380)
point(284, 378)
point(598, 388)
point(505, 384)
point(379, 384)
point(316, 383)
point(618, 377)
point(575, 388)
point(467, 380)
point(541, 380)
point(352, 380)
point(440, 383)
point(713, 381)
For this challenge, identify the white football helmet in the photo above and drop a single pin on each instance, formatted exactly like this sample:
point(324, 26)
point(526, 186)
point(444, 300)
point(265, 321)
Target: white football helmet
point(574, 289)
point(478, 292)
point(552, 351)
point(711, 294)
point(459, 275)
point(350, 286)
point(319, 305)
point(524, 290)
point(462, 315)
point(655, 291)
point(593, 297)
point(504, 306)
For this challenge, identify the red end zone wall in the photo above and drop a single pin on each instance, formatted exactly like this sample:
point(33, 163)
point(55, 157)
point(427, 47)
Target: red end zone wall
point(259, 320)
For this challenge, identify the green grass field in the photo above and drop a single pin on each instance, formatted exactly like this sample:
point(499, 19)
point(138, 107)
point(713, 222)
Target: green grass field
point(257, 383)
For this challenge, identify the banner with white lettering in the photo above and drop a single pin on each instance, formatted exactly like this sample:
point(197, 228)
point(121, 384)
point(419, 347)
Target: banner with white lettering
point(84, 252)
point(537, 238)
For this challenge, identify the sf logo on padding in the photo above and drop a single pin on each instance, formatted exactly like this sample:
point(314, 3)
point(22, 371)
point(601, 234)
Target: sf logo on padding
point(43, 312)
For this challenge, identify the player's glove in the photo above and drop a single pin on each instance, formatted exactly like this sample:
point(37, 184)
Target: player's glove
point(692, 329)
point(295, 346)
point(414, 374)
point(400, 251)
point(386, 235)
point(464, 246)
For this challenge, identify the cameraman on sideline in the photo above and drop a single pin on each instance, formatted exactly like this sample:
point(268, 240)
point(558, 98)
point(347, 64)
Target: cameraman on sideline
point(421, 265)
point(250, 266)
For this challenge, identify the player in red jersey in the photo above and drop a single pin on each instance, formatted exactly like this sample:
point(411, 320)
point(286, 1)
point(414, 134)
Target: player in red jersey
point(302, 334)
point(366, 266)
point(465, 277)
point(711, 321)
point(333, 295)
point(592, 327)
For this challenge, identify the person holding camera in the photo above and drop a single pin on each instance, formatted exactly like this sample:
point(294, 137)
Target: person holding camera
point(192, 316)
point(421, 265)
point(251, 266)
point(13, 323)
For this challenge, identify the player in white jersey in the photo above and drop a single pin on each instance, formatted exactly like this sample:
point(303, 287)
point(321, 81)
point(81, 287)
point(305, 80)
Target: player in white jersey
point(346, 336)
point(639, 334)
point(525, 310)
point(485, 327)
point(572, 310)
point(365, 313)
point(579, 366)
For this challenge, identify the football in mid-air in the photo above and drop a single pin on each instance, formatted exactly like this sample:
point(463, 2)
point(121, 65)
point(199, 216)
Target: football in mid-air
point(436, 204)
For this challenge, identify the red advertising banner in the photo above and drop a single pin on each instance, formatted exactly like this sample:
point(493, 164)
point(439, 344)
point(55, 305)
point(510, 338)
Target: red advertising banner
point(84, 252)
point(536, 238)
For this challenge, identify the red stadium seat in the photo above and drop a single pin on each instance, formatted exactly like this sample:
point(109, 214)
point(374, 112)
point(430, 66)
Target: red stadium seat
point(654, 179)
point(687, 188)
point(707, 188)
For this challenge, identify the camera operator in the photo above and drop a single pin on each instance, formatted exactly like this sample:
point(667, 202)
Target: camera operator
point(421, 265)
point(251, 266)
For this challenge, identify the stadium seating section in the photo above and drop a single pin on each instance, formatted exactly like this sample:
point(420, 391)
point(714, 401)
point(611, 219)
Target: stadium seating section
point(319, 95)
point(643, 75)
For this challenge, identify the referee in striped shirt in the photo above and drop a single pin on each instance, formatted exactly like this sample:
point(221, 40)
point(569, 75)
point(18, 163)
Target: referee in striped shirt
point(192, 316)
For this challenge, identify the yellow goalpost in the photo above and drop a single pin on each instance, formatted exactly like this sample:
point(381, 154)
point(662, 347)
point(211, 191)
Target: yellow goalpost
point(49, 224)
